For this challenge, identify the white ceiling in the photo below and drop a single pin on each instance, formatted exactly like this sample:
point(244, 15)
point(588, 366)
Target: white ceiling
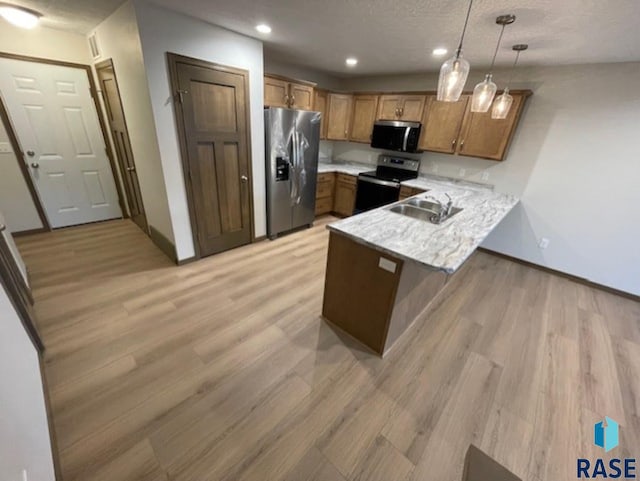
point(391, 36)
point(398, 35)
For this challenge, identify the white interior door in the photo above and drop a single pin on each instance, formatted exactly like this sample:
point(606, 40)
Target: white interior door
point(56, 123)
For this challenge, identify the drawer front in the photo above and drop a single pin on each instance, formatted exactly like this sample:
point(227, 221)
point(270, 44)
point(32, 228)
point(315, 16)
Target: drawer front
point(347, 179)
point(324, 189)
point(324, 205)
point(326, 177)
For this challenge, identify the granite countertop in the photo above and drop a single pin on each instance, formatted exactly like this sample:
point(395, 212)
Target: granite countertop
point(344, 168)
point(444, 247)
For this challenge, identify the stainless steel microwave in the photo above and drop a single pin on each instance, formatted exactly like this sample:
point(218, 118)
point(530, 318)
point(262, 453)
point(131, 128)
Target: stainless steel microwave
point(395, 135)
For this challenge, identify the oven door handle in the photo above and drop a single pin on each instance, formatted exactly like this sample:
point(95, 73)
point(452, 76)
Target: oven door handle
point(371, 180)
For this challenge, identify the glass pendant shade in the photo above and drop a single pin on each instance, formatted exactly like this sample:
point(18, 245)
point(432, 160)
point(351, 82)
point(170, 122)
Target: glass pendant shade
point(483, 95)
point(453, 76)
point(502, 105)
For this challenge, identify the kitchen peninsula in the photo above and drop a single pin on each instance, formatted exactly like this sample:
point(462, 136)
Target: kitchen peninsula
point(384, 268)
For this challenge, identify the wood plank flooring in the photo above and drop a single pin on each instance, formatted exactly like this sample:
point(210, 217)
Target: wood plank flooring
point(223, 369)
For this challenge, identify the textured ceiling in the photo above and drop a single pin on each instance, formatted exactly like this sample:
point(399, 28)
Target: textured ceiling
point(391, 36)
point(78, 16)
point(398, 35)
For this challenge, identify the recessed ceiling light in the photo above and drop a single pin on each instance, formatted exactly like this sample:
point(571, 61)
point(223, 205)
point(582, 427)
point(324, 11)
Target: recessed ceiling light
point(18, 16)
point(351, 62)
point(263, 28)
point(440, 51)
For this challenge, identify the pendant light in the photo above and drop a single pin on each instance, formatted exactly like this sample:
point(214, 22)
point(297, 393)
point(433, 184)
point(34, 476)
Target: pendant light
point(502, 105)
point(484, 92)
point(454, 72)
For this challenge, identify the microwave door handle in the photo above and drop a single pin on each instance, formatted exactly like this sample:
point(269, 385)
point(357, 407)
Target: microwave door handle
point(406, 138)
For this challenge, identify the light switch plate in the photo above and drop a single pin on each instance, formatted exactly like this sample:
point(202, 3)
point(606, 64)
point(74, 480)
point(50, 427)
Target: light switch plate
point(387, 265)
point(5, 148)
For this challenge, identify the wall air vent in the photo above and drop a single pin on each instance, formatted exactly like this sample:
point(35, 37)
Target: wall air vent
point(93, 45)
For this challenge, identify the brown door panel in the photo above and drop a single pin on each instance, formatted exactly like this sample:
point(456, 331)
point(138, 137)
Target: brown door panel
point(214, 119)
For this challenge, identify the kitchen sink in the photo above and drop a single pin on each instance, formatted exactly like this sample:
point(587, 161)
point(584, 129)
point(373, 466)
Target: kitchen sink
point(423, 210)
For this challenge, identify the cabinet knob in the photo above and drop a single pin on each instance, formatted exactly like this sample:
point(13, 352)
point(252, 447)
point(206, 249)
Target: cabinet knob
point(244, 178)
point(453, 143)
point(461, 145)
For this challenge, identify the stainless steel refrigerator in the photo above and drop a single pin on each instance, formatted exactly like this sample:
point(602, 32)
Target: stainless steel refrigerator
point(292, 139)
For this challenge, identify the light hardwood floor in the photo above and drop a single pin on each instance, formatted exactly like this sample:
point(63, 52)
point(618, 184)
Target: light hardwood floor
point(223, 369)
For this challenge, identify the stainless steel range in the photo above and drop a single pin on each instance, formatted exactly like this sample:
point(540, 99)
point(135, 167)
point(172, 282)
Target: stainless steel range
point(382, 186)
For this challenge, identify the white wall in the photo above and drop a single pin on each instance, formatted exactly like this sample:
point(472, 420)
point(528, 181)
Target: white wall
point(163, 31)
point(24, 433)
point(42, 42)
point(118, 39)
point(574, 162)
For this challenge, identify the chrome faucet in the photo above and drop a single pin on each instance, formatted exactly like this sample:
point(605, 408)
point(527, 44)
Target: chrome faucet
point(445, 209)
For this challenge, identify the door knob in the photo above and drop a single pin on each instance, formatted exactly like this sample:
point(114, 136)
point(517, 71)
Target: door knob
point(30, 153)
point(35, 165)
point(2, 227)
point(244, 178)
point(131, 169)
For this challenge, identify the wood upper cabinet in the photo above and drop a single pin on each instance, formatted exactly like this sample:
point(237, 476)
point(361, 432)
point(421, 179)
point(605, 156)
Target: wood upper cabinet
point(301, 96)
point(408, 108)
point(320, 105)
point(363, 117)
point(276, 92)
point(338, 116)
point(281, 92)
point(482, 136)
point(441, 123)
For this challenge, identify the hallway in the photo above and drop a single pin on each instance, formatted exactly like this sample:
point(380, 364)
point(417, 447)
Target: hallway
point(223, 369)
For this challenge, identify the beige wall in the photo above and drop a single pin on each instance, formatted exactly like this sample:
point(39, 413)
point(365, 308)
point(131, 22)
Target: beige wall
point(118, 39)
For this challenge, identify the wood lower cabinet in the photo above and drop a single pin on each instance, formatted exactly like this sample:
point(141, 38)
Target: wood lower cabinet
point(407, 108)
point(282, 92)
point(324, 193)
point(345, 194)
point(441, 123)
point(482, 136)
point(363, 117)
point(406, 192)
point(338, 116)
point(320, 105)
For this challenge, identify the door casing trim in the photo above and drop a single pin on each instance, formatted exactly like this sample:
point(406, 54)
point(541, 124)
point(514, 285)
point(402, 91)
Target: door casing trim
point(94, 96)
point(173, 60)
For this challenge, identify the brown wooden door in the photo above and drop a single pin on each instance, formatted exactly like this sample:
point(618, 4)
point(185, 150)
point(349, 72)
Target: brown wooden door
point(301, 96)
point(411, 107)
point(320, 105)
point(441, 124)
point(212, 110)
point(276, 92)
point(339, 116)
point(120, 135)
point(389, 107)
point(364, 115)
point(482, 136)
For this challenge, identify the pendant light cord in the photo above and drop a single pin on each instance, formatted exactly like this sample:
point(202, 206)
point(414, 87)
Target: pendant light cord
point(495, 54)
point(464, 29)
point(513, 69)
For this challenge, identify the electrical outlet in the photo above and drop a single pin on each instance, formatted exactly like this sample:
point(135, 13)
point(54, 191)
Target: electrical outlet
point(485, 175)
point(543, 243)
point(462, 172)
point(434, 168)
point(5, 148)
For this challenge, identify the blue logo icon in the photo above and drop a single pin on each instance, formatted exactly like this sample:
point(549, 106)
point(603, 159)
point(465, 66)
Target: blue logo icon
point(606, 435)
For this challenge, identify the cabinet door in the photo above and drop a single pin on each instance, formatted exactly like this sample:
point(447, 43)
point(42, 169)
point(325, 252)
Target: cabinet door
point(411, 107)
point(364, 115)
point(389, 107)
point(276, 92)
point(301, 96)
point(345, 199)
point(482, 136)
point(320, 105)
point(339, 117)
point(441, 124)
